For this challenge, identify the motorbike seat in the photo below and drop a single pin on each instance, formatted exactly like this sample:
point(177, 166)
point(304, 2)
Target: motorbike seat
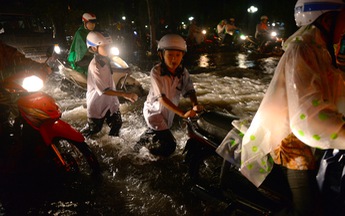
point(216, 124)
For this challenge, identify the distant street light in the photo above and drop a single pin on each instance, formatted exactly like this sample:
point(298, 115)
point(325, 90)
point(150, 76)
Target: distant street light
point(252, 9)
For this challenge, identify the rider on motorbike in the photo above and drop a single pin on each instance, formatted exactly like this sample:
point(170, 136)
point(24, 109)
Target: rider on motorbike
point(262, 31)
point(195, 36)
point(221, 30)
point(230, 32)
point(79, 57)
point(231, 27)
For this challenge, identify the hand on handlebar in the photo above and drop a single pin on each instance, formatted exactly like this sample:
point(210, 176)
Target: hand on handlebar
point(194, 111)
point(189, 114)
point(198, 108)
point(132, 97)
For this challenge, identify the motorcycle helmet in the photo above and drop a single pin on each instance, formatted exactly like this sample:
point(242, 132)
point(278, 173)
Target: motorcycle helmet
point(88, 17)
point(95, 39)
point(307, 11)
point(172, 42)
point(264, 17)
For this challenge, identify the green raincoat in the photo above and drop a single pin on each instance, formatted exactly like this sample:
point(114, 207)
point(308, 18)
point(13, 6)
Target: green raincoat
point(78, 49)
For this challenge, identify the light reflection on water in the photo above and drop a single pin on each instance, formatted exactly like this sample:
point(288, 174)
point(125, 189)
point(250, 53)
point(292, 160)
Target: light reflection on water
point(242, 61)
point(203, 61)
point(137, 183)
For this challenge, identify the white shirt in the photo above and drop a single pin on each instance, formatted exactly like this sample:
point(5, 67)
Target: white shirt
point(100, 79)
point(157, 116)
point(220, 28)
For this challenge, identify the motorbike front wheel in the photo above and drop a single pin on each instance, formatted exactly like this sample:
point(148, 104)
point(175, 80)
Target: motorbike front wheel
point(78, 157)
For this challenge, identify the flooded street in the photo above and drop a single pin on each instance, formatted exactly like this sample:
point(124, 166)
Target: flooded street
point(137, 183)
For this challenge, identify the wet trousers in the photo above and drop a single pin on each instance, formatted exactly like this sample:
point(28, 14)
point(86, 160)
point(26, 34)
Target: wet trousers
point(94, 125)
point(303, 187)
point(160, 143)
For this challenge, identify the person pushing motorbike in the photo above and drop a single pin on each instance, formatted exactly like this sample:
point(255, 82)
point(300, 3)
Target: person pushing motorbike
point(169, 80)
point(303, 108)
point(79, 57)
point(101, 96)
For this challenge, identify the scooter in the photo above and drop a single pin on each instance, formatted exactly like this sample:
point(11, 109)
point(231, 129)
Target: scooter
point(76, 83)
point(272, 46)
point(37, 140)
point(219, 182)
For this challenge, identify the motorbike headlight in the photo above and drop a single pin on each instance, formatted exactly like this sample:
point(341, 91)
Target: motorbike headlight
point(203, 31)
point(114, 51)
point(243, 37)
point(274, 34)
point(32, 83)
point(57, 49)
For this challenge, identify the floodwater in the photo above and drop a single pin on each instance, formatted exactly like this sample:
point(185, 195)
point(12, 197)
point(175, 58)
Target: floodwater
point(138, 183)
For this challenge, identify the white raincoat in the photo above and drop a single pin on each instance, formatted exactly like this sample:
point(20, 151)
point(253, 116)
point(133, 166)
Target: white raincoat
point(306, 97)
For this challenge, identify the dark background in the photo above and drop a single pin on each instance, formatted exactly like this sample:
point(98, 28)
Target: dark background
point(66, 14)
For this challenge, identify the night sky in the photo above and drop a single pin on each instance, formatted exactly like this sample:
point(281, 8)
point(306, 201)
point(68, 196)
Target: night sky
point(206, 12)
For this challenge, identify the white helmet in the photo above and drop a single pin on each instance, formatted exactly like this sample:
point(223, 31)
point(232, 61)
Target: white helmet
point(88, 17)
point(307, 11)
point(172, 42)
point(94, 39)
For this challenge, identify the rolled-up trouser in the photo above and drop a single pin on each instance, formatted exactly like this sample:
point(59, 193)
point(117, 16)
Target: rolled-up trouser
point(160, 143)
point(114, 121)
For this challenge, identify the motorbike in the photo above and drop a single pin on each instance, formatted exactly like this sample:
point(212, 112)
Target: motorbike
point(231, 40)
point(75, 82)
point(34, 138)
point(272, 46)
point(217, 181)
point(202, 42)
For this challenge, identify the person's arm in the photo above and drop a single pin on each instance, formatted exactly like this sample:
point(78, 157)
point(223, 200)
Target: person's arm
point(169, 105)
point(132, 97)
point(196, 106)
point(314, 97)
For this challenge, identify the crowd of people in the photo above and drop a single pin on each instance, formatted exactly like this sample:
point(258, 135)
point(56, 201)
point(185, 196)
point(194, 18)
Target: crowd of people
point(303, 108)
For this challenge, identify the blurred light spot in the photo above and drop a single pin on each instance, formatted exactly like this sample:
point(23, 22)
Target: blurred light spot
point(204, 61)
